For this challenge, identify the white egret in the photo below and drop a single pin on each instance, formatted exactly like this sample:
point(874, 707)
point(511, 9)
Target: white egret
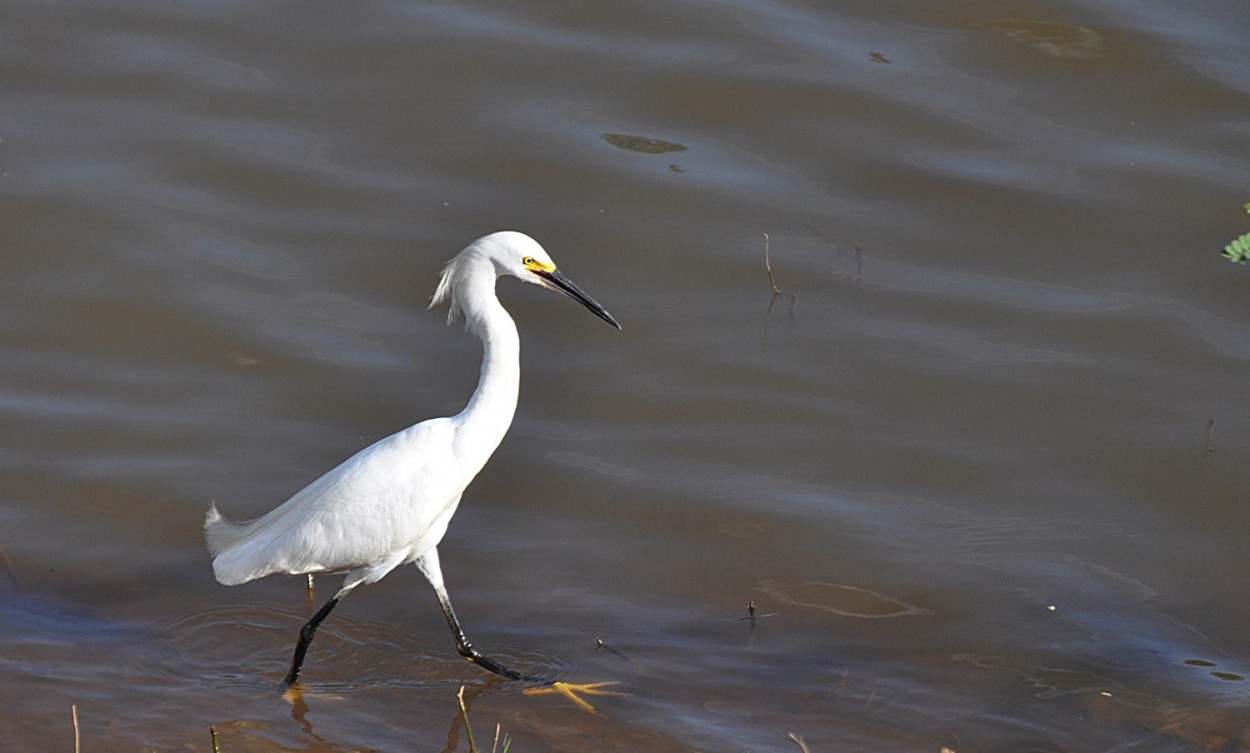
point(390, 503)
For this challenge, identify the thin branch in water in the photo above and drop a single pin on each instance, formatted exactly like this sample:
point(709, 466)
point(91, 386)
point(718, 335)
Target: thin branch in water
point(752, 613)
point(464, 714)
point(507, 743)
point(74, 711)
point(802, 743)
point(212, 733)
point(768, 266)
point(772, 283)
point(600, 644)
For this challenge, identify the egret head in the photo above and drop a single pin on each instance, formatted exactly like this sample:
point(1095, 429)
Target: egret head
point(505, 253)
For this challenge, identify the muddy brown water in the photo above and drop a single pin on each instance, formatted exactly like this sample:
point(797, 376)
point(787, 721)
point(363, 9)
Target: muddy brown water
point(979, 464)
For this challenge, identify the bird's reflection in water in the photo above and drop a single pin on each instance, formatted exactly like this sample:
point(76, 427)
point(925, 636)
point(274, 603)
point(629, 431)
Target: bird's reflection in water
point(244, 734)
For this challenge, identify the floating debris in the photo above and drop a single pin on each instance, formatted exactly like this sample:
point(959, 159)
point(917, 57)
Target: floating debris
point(642, 144)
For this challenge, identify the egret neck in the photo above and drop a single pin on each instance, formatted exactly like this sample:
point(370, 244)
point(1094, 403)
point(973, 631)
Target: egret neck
point(481, 426)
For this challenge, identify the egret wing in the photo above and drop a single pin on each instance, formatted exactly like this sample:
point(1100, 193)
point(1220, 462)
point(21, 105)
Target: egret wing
point(390, 497)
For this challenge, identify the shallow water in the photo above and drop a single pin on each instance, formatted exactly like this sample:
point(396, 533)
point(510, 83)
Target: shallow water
point(977, 463)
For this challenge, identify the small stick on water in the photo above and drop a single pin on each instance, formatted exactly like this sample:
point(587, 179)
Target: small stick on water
point(495, 748)
point(600, 644)
point(769, 268)
point(74, 712)
point(802, 743)
point(212, 734)
point(772, 283)
point(751, 613)
point(464, 714)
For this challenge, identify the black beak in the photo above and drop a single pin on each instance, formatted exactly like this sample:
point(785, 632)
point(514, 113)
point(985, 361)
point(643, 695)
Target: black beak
point(555, 280)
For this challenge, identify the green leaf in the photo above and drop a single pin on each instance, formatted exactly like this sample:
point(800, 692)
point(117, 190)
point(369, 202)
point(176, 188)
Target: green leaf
point(1239, 250)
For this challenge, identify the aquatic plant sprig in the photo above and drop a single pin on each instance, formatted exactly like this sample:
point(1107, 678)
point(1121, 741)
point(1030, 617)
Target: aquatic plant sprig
point(1239, 250)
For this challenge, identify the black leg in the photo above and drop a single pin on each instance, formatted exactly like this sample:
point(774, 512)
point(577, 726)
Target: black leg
point(428, 564)
point(472, 654)
point(306, 634)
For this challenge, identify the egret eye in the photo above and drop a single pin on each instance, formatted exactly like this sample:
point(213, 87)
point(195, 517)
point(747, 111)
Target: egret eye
point(528, 261)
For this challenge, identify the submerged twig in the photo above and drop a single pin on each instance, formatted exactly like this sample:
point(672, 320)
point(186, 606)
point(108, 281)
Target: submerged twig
point(74, 712)
point(769, 268)
point(212, 734)
point(751, 613)
point(600, 644)
point(464, 714)
point(507, 739)
point(802, 743)
point(772, 283)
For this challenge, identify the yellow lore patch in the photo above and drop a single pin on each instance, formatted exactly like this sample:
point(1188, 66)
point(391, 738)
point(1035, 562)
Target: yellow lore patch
point(536, 266)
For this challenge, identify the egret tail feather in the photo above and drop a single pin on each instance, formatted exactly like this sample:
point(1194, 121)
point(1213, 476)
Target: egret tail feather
point(219, 533)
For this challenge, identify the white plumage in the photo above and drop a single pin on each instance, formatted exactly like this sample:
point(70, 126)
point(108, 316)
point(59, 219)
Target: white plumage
point(390, 503)
point(385, 506)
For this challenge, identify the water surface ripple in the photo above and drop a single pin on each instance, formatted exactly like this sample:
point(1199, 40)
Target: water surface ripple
point(974, 457)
